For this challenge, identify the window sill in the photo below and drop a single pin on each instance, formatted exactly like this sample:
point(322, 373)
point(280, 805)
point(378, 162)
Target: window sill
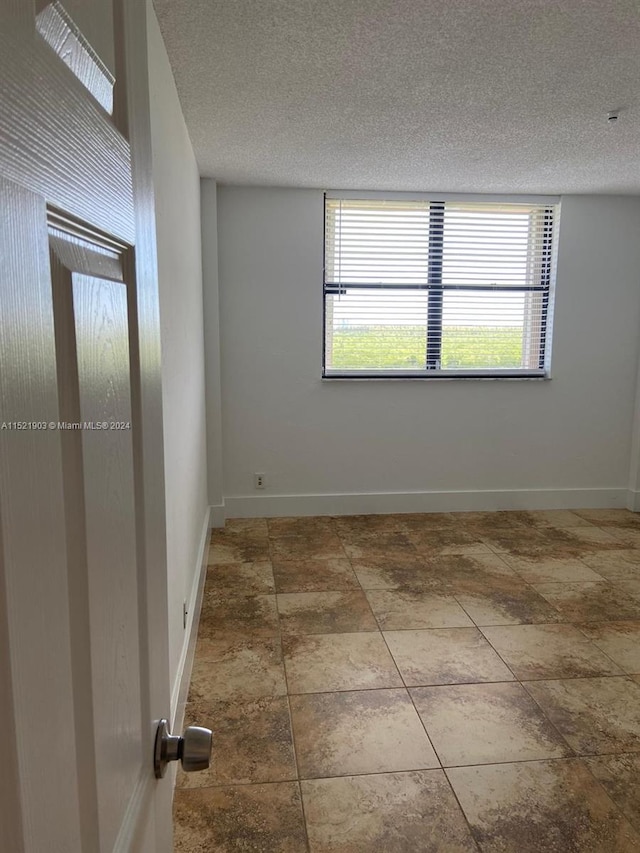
point(435, 378)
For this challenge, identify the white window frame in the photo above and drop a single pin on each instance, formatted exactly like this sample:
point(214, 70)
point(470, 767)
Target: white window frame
point(435, 372)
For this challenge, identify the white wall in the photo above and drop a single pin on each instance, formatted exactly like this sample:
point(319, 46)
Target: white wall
point(569, 437)
point(209, 218)
point(177, 193)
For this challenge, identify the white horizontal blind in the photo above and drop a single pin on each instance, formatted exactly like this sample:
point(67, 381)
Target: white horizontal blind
point(436, 288)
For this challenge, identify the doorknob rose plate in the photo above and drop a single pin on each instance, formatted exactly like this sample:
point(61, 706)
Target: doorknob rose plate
point(193, 748)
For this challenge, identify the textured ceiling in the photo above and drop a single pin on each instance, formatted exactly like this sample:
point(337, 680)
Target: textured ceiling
point(455, 95)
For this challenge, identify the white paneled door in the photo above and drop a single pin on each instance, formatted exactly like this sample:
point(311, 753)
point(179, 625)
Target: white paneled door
point(83, 625)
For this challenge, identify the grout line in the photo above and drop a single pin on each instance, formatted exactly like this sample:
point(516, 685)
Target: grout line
point(547, 716)
point(217, 787)
point(402, 686)
point(304, 815)
point(577, 678)
point(574, 757)
point(600, 785)
point(438, 769)
point(555, 759)
point(375, 617)
point(464, 610)
point(435, 752)
point(502, 658)
point(288, 698)
point(515, 680)
point(462, 811)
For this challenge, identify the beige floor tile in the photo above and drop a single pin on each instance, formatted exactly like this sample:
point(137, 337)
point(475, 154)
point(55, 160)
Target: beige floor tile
point(631, 555)
point(238, 548)
point(629, 587)
point(610, 517)
point(594, 537)
point(446, 656)
point(619, 775)
point(331, 574)
point(300, 526)
point(486, 724)
point(589, 602)
point(393, 812)
point(253, 741)
point(348, 526)
point(466, 572)
point(261, 818)
point(615, 565)
point(595, 715)
point(390, 546)
point(619, 640)
point(325, 613)
point(400, 609)
point(416, 522)
point(323, 545)
point(368, 731)
point(241, 578)
point(244, 616)
point(541, 807)
point(551, 543)
point(254, 526)
point(546, 570)
point(362, 523)
point(237, 667)
point(560, 518)
point(375, 537)
point(239, 541)
point(328, 662)
point(520, 541)
point(505, 602)
point(499, 520)
point(628, 537)
point(392, 571)
point(456, 540)
point(549, 651)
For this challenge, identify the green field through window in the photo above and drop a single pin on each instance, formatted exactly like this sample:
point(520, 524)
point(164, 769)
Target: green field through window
point(404, 346)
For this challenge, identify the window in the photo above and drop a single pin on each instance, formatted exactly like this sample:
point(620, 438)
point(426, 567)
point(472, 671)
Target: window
point(434, 288)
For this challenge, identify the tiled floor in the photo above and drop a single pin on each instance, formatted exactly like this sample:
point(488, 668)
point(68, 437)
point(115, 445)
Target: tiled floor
point(412, 683)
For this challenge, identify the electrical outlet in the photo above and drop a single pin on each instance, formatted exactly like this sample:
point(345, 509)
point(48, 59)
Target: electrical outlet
point(259, 481)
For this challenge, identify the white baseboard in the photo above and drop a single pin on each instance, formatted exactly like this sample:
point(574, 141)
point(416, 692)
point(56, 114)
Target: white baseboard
point(194, 604)
point(273, 506)
point(217, 514)
point(633, 500)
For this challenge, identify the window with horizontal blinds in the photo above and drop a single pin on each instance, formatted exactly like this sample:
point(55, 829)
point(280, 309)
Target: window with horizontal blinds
point(437, 288)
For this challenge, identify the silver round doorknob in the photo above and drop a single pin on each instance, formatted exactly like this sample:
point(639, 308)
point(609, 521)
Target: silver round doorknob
point(193, 748)
point(196, 748)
